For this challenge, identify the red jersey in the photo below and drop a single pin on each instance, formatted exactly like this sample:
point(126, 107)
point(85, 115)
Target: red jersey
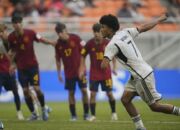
point(23, 47)
point(70, 53)
point(96, 52)
point(4, 63)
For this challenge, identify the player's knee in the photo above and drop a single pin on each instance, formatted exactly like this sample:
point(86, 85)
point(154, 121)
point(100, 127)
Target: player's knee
point(26, 92)
point(125, 100)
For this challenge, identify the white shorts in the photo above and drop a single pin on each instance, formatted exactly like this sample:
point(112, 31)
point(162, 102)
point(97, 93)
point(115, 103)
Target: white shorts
point(145, 88)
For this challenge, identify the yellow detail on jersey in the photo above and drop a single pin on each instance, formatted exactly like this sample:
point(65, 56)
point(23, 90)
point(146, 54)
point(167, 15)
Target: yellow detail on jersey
point(99, 55)
point(84, 79)
point(1, 56)
point(108, 82)
point(68, 52)
point(93, 49)
point(22, 47)
point(36, 78)
point(83, 51)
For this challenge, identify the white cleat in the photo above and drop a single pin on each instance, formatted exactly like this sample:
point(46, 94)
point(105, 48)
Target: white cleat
point(73, 118)
point(20, 115)
point(114, 117)
point(92, 118)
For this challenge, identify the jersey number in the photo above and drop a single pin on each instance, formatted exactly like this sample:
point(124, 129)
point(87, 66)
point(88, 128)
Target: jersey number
point(68, 52)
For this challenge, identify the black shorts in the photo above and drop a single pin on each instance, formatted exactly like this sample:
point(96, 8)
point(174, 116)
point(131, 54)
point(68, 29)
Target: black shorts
point(29, 76)
point(70, 84)
point(8, 81)
point(106, 85)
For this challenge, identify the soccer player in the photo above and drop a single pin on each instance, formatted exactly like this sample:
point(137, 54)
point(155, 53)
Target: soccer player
point(7, 79)
point(98, 76)
point(141, 83)
point(68, 51)
point(21, 44)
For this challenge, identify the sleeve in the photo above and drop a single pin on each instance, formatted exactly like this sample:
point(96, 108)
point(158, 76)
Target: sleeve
point(85, 50)
point(132, 31)
point(57, 54)
point(110, 51)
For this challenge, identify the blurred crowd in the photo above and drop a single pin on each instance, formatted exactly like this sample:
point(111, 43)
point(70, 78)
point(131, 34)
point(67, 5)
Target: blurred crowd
point(67, 8)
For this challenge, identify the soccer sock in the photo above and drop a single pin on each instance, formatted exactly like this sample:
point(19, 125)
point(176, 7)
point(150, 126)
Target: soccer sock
point(176, 111)
point(86, 108)
point(137, 121)
point(72, 109)
point(17, 100)
point(41, 100)
point(29, 103)
point(112, 105)
point(93, 108)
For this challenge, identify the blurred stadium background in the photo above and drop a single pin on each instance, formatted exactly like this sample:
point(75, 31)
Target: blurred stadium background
point(160, 48)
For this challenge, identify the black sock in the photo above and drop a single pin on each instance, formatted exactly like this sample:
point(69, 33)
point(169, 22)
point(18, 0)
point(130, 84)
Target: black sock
point(41, 99)
point(29, 103)
point(86, 108)
point(17, 100)
point(93, 109)
point(72, 109)
point(112, 105)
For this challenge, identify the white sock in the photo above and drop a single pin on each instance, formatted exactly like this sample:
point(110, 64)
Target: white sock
point(176, 111)
point(137, 121)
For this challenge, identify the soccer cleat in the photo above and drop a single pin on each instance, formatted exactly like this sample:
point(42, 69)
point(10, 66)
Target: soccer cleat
point(45, 114)
point(49, 109)
point(114, 117)
point(86, 117)
point(20, 115)
point(92, 118)
point(33, 117)
point(1, 126)
point(141, 128)
point(73, 118)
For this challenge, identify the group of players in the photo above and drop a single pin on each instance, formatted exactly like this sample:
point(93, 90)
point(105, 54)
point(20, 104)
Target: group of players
point(71, 52)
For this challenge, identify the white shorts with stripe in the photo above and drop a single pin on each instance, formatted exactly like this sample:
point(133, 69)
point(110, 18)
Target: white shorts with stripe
point(145, 88)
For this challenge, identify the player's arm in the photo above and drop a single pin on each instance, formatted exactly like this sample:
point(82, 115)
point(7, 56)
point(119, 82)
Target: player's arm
point(47, 41)
point(58, 66)
point(110, 52)
point(152, 23)
point(114, 66)
point(82, 67)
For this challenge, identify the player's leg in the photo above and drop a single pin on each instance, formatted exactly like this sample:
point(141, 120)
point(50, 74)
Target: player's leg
point(128, 95)
point(83, 86)
point(23, 79)
point(93, 92)
point(70, 87)
point(107, 87)
point(10, 84)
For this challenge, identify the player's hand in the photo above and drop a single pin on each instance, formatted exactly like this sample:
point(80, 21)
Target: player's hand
point(163, 17)
point(12, 70)
point(60, 79)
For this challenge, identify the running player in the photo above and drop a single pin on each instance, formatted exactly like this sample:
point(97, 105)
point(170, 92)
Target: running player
point(21, 44)
point(68, 50)
point(141, 83)
point(98, 76)
point(7, 79)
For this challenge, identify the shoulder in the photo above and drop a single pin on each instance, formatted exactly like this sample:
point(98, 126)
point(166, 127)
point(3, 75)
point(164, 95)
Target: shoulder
point(74, 36)
point(11, 35)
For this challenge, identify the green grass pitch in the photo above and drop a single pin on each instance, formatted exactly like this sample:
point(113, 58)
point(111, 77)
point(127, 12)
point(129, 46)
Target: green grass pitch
point(59, 118)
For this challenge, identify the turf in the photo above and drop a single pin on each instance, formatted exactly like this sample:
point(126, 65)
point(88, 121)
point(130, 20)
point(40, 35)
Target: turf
point(59, 118)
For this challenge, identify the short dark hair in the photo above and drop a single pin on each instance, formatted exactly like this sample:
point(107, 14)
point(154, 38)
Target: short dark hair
point(60, 27)
point(111, 21)
point(16, 19)
point(96, 27)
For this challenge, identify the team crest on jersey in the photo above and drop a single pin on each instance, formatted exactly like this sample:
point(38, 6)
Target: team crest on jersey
point(26, 39)
point(72, 44)
point(93, 49)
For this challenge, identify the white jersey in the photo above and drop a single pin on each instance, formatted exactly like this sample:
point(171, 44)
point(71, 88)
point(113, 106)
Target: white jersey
point(123, 47)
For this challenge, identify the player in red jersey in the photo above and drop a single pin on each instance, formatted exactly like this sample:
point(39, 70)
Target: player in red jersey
point(68, 50)
point(21, 44)
point(6, 78)
point(95, 48)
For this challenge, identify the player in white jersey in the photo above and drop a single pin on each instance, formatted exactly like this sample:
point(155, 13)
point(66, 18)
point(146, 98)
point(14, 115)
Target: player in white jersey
point(142, 81)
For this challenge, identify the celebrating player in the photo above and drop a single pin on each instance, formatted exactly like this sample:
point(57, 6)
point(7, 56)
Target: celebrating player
point(142, 83)
point(98, 76)
point(7, 79)
point(68, 50)
point(21, 44)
